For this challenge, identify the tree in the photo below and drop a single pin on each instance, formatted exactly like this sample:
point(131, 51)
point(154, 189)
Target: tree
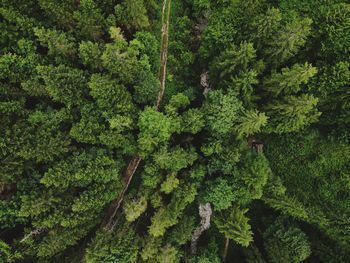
point(5, 252)
point(289, 80)
point(314, 190)
point(222, 156)
point(120, 246)
point(132, 14)
point(209, 254)
point(120, 58)
point(169, 254)
point(175, 159)
point(330, 87)
point(293, 114)
point(251, 177)
point(90, 20)
point(334, 31)
point(102, 88)
point(64, 84)
point(219, 193)
point(288, 40)
point(182, 232)
point(90, 54)
point(60, 12)
point(267, 25)
point(169, 184)
point(192, 121)
point(56, 206)
point(236, 59)
point(286, 243)
point(220, 111)
point(155, 129)
point(169, 215)
point(150, 48)
point(243, 84)
point(60, 44)
point(250, 122)
point(234, 225)
point(134, 207)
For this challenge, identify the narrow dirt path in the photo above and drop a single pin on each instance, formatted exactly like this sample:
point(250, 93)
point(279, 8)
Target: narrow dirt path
point(109, 219)
point(163, 50)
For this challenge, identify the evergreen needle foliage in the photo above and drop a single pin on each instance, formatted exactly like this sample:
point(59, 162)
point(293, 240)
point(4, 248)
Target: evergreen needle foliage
point(245, 157)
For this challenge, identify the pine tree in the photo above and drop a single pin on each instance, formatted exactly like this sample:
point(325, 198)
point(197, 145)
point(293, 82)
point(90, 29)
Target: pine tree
point(286, 243)
point(219, 193)
point(132, 14)
point(220, 111)
point(60, 44)
point(121, 246)
point(293, 114)
point(90, 21)
point(250, 122)
point(236, 59)
point(289, 81)
point(267, 25)
point(288, 40)
point(59, 12)
point(330, 87)
point(335, 33)
point(234, 225)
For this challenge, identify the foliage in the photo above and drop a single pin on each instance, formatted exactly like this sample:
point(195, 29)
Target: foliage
point(120, 246)
point(132, 14)
point(289, 80)
point(292, 114)
point(219, 193)
point(254, 122)
point(250, 122)
point(286, 243)
point(234, 225)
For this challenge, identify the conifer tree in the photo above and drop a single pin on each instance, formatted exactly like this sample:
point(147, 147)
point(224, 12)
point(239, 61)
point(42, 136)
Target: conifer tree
point(250, 122)
point(132, 14)
point(288, 40)
point(235, 226)
point(289, 80)
point(97, 165)
point(293, 114)
point(286, 243)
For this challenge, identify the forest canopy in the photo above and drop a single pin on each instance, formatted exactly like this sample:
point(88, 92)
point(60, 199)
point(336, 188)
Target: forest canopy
point(195, 131)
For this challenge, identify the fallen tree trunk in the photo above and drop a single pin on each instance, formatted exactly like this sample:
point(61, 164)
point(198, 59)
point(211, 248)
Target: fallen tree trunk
point(108, 221)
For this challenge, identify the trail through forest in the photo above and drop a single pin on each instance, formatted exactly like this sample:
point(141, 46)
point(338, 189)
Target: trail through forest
point(109, 220)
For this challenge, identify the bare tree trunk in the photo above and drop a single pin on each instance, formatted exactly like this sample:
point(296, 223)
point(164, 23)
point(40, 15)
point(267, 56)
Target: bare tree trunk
point(33, 233)
point(205, 214)
point(224, 254)
point(205, 82)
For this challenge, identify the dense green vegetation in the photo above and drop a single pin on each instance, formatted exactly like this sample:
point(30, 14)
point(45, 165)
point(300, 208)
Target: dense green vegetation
point(246, 159)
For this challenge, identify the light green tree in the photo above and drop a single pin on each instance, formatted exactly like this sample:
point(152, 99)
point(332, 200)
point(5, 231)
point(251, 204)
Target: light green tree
point(234, 225)
point(250, 122)
point(289, 39)
point(289, 81)
point(292, 114)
